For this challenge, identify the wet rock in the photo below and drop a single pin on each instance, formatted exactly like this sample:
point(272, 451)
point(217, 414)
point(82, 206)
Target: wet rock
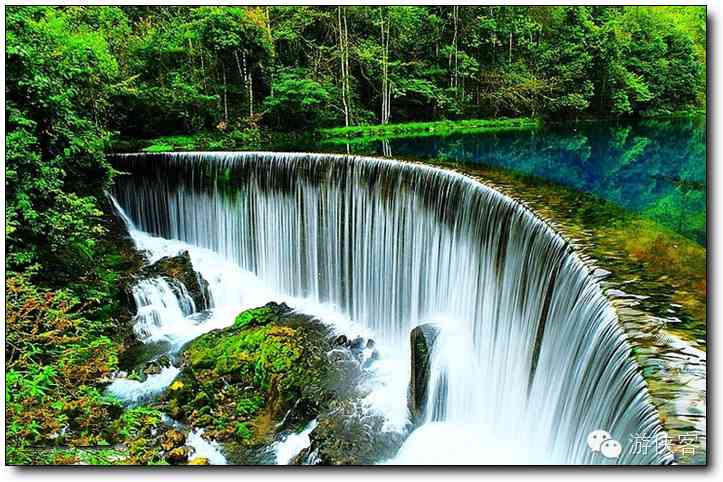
point(373, 356)
point(198, 461)
point(357, 344)
point(173, 439)
point(347, 434)
point(112, 376)
point(179, 455)
point(137, 356)
point(180, 268)
point(422, 340)
point(156, 366)
point(273, 370)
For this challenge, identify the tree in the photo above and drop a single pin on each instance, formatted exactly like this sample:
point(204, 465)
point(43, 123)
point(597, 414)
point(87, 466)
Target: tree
point(59, 73)
point(298, 101)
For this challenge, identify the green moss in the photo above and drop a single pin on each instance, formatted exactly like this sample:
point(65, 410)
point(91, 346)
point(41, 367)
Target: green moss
point(159, 148)
point(242, 431)
point(259, 316)
point(250, 354)
point(249, 406)
point(239, 382)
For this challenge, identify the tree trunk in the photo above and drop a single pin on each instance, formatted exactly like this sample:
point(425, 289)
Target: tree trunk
point(344, 64)
point(386, 90)
point(249, 84)
point(203, 70)
point(245, 75)
point(225, 96)
point(510, 56)
point(454, 56)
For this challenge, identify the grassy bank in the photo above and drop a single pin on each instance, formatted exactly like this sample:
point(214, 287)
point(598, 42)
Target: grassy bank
point(199, 141)
point(253, 138)
point(236, 140)
point(425, 129)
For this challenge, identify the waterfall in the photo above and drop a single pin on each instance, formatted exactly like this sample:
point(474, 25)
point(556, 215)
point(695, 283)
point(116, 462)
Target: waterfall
point(531, 357)
point(160, 302)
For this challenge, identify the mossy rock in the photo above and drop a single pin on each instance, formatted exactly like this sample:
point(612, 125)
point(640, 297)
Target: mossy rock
point(180, 269)
point(256, 316)
point(422, 339)
point(244, 384)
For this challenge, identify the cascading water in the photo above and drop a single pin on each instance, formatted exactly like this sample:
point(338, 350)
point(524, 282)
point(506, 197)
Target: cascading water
point(530, 358)
point(160, 301)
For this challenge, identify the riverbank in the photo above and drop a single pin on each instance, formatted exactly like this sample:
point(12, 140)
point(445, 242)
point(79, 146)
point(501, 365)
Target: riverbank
point(366, 133)
point(264, 139)
point(63, 345)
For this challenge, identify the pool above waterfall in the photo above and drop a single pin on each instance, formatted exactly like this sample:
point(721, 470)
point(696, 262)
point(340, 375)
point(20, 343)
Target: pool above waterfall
point(531, 357)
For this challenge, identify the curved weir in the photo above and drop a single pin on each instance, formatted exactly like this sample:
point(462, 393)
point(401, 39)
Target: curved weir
point(531, 357)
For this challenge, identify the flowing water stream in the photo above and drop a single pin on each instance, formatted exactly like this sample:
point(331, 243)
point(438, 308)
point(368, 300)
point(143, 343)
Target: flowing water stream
point(531, 357)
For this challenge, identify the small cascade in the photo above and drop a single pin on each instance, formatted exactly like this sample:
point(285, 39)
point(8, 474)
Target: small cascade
point(134, 392)
point(202, 448)
point(293, 444)
point(161, 303)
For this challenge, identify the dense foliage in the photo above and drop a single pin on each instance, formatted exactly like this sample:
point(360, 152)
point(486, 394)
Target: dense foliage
point(298, 67)
point(78, 76)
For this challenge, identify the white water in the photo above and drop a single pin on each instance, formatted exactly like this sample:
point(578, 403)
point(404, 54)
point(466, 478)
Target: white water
point(134, 392)
point(162, 304)
point(167, 314)
point(204, 449)
point(531, 356)
point(289, 448)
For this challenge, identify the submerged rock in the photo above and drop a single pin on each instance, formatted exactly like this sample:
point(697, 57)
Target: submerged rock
point(180, 268)
point(422, 340)
point(348, 434)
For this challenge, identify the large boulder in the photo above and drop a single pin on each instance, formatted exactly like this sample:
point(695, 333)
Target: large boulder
point(180, 268)
point(422, 339)
point(268, 374)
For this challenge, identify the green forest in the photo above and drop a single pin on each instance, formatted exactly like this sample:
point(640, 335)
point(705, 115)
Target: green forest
point(82, 82)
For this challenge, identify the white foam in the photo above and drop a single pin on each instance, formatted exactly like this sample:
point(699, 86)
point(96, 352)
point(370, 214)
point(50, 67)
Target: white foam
point(133, 391)
point(200, 447)
point(294, 443)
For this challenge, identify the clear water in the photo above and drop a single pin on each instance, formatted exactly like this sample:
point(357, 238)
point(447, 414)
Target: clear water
point(656, 168)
